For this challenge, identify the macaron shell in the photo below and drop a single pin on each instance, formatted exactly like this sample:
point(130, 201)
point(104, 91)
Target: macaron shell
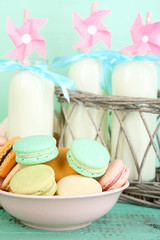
point(35, 149)
point(77, 185)
point(9, 161)
point(8, 164)
point(6, 182)
point(122, 180)
point(60, 165)
point(88, 157)
point(27, 144)
point(52, 190)
point(34, 159)
point(112, 174)
point(33, 180)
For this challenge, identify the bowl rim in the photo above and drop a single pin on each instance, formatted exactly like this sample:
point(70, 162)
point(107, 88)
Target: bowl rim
point(55, 197)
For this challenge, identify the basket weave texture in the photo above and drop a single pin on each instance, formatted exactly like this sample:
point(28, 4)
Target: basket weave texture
point(139, 192)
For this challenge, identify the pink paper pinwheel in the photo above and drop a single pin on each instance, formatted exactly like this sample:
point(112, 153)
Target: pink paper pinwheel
point(92, 30)
point(146, 38)
point(26, 38)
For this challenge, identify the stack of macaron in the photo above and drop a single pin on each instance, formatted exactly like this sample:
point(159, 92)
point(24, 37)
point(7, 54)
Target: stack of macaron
point(91, 160)
point(40, 168)
point(7, 157)
point(29, 175)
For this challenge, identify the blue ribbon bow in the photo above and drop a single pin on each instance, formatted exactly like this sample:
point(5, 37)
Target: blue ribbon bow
point(64, 82)
point(105, 56)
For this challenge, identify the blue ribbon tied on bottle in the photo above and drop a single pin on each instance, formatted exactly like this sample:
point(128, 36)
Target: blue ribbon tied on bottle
point(109, 60)
point(104, 56)
point(39, 70)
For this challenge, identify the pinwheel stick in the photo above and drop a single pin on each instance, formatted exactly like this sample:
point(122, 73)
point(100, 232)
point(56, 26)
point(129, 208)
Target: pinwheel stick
point(93, 10)
point(25, 19)
point(26, 15)
point(148, 21)
point(148, 18)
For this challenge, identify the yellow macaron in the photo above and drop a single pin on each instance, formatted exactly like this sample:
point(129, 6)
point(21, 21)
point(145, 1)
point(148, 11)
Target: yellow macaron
point(34, 180)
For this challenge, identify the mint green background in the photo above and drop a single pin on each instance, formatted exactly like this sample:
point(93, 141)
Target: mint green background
point(58, 32)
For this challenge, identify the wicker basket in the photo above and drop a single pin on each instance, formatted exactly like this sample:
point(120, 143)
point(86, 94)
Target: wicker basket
point(139, 192)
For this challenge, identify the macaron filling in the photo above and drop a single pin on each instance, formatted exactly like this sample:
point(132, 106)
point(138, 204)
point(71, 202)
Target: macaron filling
point(36, 155)
point(88, 157)
point(82, 169)
point(35, 149)
point(88, 169)
point(6, 182)
point(49, 190)
point(5, 155)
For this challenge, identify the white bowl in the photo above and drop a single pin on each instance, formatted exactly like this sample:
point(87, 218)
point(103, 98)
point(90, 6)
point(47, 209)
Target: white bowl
point(58, 213)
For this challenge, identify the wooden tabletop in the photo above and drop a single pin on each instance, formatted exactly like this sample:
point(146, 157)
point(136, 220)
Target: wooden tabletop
point(123, 222)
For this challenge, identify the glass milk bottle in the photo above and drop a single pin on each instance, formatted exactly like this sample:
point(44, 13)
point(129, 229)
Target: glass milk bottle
point(135, 79)
point(31, 105)
point(86, 74)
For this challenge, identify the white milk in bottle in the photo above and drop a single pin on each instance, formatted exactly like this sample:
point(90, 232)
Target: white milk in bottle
point(135, 79)
point(86, 74)
point(31, 105)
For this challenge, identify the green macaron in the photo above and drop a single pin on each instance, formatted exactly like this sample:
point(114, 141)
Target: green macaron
point(88, 157)
point(35, 149)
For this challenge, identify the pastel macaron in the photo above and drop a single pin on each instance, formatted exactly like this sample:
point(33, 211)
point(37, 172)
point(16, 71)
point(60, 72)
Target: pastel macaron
point(35, 149)
point(88, 157)
point(3, 140)
point(115, 176)
point(7, 157)
point(60, 165)
point(1, 181)
point(34, 180)
point(77, 185)
point(6, 182)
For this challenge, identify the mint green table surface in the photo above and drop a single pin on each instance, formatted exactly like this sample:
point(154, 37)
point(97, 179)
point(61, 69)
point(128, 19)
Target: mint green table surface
point(123, 222)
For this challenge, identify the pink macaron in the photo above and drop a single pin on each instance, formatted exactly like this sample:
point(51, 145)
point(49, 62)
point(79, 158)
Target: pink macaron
point(3, 141)
point(115, 176)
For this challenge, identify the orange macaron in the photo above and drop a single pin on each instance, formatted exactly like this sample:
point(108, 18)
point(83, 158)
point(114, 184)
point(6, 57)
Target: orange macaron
point(7, 157)
point(60, 165)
